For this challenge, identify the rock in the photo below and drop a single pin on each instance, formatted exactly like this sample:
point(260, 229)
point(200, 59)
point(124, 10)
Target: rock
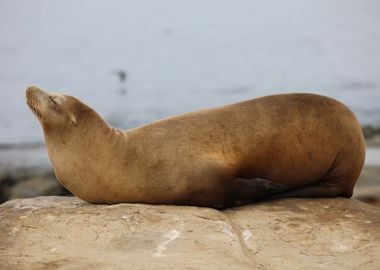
point(67, 233)
point(367, 188)
point(372, 135)
point(35, 186)
point(29, 182)
point(12, 188)
point(370, 131)
point(368, 194)
point(25, 171)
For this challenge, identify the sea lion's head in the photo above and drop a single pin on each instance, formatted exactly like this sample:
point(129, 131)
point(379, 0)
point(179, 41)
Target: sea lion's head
point(54, 111)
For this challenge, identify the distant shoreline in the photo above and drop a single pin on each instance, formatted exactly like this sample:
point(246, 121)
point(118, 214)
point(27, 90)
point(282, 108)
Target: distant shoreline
point(12, 146)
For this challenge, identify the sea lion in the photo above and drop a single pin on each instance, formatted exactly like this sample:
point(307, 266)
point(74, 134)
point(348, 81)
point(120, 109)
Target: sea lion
point(301, 145)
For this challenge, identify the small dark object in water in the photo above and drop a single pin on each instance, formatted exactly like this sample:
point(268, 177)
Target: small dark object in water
point(122, 75)
point(122, 78)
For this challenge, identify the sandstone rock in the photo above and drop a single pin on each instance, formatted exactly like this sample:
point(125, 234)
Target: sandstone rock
point(67, 233)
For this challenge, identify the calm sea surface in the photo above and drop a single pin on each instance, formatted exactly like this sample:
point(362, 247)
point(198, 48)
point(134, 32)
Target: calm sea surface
point(184, 55)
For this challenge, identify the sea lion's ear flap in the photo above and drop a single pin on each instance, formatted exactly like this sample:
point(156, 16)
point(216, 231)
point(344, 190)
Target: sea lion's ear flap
point(73, 119)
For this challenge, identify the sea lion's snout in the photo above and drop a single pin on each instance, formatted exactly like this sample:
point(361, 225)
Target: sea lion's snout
point(33, 99)
point(33, 92)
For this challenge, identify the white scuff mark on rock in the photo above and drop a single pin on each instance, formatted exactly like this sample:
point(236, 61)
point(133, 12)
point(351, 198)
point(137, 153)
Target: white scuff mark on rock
point(227, 229)
point(171, 236)
point(179, 220)
point(14, 231)
point(349, 215)
point(124, 217)
point(246, 235)
point(339, 247)
point(31, 208)
point(52, 249)
point(50, 218)
point(229, 232)
point(18, 206)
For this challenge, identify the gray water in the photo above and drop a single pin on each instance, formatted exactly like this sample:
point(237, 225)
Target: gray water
point(184, 55)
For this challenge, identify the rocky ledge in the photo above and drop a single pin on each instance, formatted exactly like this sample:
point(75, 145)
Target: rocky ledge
point(67, 233)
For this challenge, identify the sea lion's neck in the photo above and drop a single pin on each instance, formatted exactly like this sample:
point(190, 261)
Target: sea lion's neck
point(89, 129)
point(75, 152)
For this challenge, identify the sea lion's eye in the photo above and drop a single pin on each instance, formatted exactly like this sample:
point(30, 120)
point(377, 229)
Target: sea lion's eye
point(52, 100)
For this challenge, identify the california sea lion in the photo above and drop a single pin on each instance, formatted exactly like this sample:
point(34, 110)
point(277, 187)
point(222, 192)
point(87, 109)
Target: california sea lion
point(300, 145)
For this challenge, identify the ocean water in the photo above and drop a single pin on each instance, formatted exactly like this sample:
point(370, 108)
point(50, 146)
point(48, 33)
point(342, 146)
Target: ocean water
point(181, 56)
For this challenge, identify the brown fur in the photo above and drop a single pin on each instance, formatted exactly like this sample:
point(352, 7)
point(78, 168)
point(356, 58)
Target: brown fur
point(300, 145)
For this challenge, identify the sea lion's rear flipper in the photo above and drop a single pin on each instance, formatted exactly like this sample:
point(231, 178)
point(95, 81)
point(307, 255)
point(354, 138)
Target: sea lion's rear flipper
point(316, 190)
point(255, 189)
